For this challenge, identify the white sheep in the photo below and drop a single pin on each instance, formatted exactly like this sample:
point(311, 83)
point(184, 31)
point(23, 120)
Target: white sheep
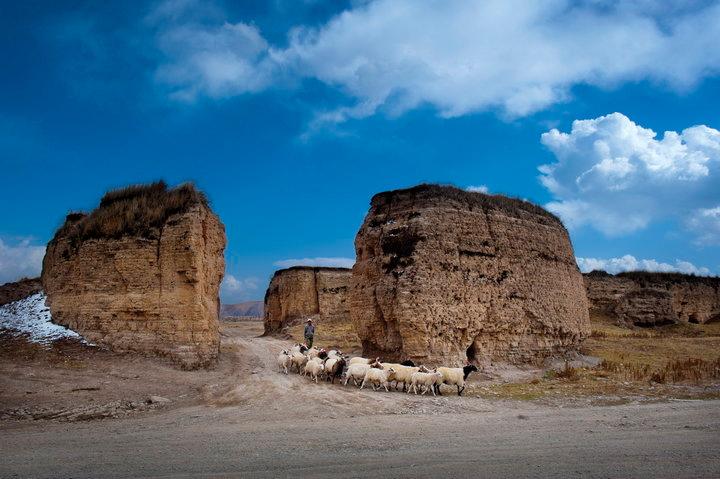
point(455, 377)
point(284, 361)
point(314, 368)
point(403, 373)
point(298, 360)
point(378, 377)
point(359, 360)
point(428, 380)
point(316, 352)
point(356, 372)
point(335, 353)
point(310, 360)
point(334, 367)
point(298, 348)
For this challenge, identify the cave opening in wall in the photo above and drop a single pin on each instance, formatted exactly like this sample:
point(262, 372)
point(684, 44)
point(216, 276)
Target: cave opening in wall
point(471, 353)
point(693, 319)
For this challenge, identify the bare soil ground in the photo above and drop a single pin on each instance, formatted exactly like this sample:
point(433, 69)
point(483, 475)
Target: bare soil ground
point(76, 411)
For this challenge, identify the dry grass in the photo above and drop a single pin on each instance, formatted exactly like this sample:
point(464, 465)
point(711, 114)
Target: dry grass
point(139, 210)
point(513, 207)
point(680, 362)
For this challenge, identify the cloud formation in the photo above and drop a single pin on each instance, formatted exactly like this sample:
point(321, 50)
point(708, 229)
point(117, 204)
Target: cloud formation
point(618, 177)
point(458, 56)
point(630, 263)
point(478, 189)
point(235, 289)
point(327, 262)
point(22, 260)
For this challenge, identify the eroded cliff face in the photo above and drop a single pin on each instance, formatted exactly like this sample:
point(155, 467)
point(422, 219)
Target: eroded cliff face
point(156, 293)
point(443, 276)
point(654, 299)
point(303, 292)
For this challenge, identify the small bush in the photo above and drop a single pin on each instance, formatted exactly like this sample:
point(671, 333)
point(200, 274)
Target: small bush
point(568, 373)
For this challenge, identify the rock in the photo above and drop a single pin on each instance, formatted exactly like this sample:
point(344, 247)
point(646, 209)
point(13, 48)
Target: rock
point(141, 273)
point(157, 400)
point(654, 299)
point(303, 292)
point(10, 292)
point(443, 276)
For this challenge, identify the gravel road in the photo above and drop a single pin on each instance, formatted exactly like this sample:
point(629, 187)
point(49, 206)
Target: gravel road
point(673, 440)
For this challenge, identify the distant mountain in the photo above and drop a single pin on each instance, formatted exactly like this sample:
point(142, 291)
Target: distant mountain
point(251, 308)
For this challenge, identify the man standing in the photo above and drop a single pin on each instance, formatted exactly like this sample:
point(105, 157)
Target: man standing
point(309, 333)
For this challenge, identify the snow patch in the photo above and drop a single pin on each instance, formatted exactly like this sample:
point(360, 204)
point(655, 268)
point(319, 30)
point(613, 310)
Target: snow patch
point(32, 318)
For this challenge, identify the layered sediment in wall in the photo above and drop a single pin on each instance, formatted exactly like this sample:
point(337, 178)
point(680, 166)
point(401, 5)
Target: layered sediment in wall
point(443, 275)
point(654, 299)
point(303, 292)
point(141, 273)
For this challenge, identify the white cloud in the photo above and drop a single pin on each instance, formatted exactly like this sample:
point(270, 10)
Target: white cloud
point(477, 189)
point(618, 177)
point(234, 289)
point(706, 224)
point(630, 263)
point(22, 260)
point(457, 56)
point(207, 56)
point(327, 262)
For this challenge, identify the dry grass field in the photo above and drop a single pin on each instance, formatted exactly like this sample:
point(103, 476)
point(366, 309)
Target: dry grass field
point(671, 362)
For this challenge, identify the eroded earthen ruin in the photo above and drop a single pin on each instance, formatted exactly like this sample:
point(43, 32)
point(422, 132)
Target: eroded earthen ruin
point(141, 273)
point(303, 292)
point(654, 299)
point(443, 275)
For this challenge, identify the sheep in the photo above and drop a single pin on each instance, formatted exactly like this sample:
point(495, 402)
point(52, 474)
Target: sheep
point(455, 377)
point(429, 380)
point(378, 377)
point(402, 373)
point(335, 353)
point(284, 361)
point(298, 360)
point(299, 348)
point(316, 353)
point(356, 372)
point(314, 368)
point(359, 360)
point(311, 360)
point(334, 368)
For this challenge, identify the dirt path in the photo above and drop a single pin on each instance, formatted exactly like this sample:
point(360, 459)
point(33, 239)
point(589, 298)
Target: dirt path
point(663, 440)
point(245, 419)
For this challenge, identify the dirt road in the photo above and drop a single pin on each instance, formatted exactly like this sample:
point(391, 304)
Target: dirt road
point(247, 420)
point(664, 440)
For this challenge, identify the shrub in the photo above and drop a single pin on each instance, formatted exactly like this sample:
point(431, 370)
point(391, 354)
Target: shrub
point(138, 210)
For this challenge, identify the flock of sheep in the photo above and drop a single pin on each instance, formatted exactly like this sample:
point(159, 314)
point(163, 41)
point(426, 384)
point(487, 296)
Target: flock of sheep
point(330, 365)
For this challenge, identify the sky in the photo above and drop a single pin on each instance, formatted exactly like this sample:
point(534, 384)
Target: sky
point(290, 115)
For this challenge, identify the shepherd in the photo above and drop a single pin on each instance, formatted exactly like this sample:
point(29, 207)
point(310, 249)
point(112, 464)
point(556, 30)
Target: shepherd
point(309, 333)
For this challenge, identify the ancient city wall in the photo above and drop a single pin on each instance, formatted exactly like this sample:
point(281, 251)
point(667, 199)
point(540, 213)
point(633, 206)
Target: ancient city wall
point(443, 275)
point(141, 273)
point(654, 299)
point(303, 292)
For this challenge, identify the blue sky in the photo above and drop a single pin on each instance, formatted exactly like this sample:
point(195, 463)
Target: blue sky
point(290, 115)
